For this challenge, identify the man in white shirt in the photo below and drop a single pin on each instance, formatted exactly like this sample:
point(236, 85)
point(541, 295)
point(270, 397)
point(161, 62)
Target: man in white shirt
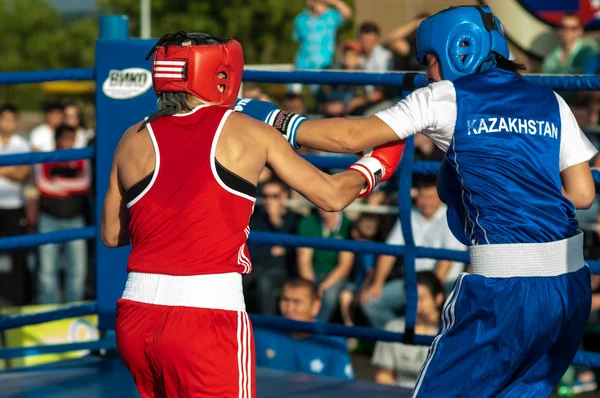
point(42, 136)
point(382, 301)
point(14, 278)
point(399, 363)
point(374, 58)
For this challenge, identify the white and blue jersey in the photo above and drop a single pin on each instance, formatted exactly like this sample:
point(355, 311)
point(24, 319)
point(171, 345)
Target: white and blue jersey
point(321, 355)
point(506, 141)
point(513, 327)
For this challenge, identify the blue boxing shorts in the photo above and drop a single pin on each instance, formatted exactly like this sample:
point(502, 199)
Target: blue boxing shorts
point(513, 327)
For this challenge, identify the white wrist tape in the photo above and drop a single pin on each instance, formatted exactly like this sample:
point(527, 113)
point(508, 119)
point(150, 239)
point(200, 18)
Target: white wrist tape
point(371, 169)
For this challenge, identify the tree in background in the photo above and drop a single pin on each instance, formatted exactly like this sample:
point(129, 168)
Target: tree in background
point(264, 27)
point(35, 36)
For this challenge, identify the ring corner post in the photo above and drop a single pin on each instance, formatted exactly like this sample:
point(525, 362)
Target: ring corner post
point(124, 96)
point(410, 250)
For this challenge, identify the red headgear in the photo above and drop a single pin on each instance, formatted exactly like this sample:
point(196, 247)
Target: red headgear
point(192, 63)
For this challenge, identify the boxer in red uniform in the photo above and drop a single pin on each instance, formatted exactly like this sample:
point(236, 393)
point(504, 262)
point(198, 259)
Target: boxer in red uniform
point(182, 189)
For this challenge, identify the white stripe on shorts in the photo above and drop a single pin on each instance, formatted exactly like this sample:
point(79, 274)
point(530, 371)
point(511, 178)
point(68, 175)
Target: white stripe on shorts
point(244, 356)
point(249, 362)
point(239, 342)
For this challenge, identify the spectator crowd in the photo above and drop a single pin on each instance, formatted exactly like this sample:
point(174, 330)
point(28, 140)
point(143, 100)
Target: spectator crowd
point(44, 198)
point(312, 285)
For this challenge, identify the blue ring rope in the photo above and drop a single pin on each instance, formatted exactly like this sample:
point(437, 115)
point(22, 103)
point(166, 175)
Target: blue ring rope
point(289, 240)
point(582, 358)
point(107, 343)
point(266, 238)
point(327, 162)
point(75, 310)
point(40, 76)
point(557, 82)
point(62, 155)
point(33, 240)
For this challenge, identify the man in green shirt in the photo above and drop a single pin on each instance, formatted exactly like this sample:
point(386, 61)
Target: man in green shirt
point(572, 53)
point(327, 268)
point(570, 56)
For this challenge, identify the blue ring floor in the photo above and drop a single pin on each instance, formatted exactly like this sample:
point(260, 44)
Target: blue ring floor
point(99, 377)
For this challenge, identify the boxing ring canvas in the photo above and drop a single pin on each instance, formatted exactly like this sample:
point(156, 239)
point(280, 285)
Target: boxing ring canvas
point(124, 96)
point(94, 377)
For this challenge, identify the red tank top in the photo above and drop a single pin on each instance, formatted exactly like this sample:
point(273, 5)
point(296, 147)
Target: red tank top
point(190, 219)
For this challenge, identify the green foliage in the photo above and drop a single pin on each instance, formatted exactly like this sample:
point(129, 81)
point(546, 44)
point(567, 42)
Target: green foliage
point(264, 27)
point(35, 36)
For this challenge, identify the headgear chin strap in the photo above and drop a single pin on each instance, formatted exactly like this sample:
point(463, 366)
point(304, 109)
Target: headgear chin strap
point(466, 40)
point(202, 65)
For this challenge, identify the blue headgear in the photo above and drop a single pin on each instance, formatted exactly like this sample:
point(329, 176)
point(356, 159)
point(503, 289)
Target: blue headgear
point(466, 40)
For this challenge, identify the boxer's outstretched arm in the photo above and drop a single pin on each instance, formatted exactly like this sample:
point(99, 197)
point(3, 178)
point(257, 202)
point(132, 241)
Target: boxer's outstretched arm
point(329, 192)
point(345, 135)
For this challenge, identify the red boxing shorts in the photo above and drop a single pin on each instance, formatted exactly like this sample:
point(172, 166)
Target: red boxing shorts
point(183, 351)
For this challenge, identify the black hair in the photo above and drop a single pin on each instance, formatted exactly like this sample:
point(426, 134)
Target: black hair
point(571, 15)
point(79, 113)
point(367, 217)
point(292, 97)
point(9, 108)
point(424, 181)
point(369, 27)
point(63, 129)
point(171, 103)
point(301, 282)
point(432, 283)
point(53, 106)
point(276, 180)
point(511, 66)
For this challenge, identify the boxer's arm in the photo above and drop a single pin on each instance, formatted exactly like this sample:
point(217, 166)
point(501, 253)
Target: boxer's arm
point(345, 135)
point(114, 226)
point(578, 185)
point(430, 110)
point(329, 192)
point(575, 152)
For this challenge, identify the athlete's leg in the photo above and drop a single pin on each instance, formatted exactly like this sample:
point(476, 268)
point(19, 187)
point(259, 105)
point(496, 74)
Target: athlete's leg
point(200, 352)
point(539, 377)
point(133, 334)
point(492, 330)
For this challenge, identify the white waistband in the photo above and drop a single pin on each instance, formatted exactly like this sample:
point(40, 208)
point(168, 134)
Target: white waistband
point(216, 291)
point(528, 259)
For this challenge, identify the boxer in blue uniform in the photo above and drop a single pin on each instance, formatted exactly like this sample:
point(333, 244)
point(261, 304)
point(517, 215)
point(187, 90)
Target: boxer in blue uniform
point(516, 169)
